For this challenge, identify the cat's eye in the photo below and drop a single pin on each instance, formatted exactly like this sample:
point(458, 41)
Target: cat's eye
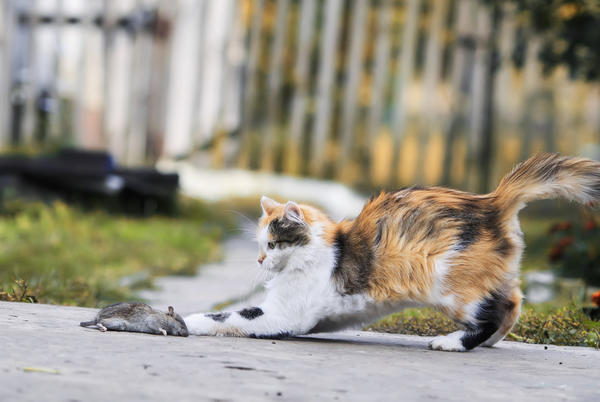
point(271, 245)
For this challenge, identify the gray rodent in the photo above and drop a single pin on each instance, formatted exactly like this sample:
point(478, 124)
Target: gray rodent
point(138, 317)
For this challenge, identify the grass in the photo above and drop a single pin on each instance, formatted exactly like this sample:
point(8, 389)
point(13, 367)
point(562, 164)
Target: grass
point(59, 254)
point(542, 324)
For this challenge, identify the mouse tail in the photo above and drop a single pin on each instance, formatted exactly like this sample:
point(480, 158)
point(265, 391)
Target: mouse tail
point(87, 323)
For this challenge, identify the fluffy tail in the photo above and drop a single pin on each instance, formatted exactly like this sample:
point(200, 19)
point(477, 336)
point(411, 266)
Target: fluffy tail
point(547, 176)
point(87, 323)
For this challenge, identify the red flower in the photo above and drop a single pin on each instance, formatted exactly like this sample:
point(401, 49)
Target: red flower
point(596, 298)
point(590, 225)
point(565, 241)
point(564, 225)
point(560, 227)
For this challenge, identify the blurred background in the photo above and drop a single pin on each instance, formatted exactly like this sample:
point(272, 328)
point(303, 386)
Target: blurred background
point(372, 93)
point(232, 98)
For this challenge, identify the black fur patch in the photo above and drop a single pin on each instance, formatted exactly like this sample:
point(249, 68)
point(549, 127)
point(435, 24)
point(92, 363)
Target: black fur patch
point(219, 317)
point(290, 232)
point(251, 313)
point(489, 317)
point(474, 218)
point(504, 247)
point(353, 261)
point(380, 227)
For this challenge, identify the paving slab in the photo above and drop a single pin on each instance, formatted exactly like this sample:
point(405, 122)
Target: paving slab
point(47, 356)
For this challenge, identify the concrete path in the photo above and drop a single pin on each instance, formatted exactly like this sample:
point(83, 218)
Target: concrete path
point(46, 356)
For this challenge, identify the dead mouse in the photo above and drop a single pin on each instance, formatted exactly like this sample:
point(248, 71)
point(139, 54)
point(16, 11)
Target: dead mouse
point(138, 317)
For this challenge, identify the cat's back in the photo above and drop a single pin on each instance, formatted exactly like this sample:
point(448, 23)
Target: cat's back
point(418, 215)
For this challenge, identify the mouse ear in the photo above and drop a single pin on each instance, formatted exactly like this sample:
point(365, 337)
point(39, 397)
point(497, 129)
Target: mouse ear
point(171, 311)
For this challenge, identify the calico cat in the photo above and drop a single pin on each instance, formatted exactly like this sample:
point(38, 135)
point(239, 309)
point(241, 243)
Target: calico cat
point(420, 246)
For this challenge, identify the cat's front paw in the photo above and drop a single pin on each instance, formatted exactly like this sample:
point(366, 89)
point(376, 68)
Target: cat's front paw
point(448, 343)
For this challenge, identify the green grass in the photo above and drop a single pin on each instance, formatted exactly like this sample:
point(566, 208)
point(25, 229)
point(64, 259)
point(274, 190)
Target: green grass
point(543, 324)
point(61, 255)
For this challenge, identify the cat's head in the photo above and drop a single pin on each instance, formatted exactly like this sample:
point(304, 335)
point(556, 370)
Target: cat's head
point(285, 232)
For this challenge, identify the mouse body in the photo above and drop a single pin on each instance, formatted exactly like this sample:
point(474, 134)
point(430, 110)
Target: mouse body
point(138, 317)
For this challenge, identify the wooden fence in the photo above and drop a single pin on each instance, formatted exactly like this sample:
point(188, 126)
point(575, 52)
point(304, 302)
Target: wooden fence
point(370, 92)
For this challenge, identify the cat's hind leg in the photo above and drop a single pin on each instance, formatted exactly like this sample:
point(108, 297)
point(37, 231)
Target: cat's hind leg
point(487, 324)
point(510, 319)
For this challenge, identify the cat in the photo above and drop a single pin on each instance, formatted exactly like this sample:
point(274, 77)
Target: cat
point(420, 246)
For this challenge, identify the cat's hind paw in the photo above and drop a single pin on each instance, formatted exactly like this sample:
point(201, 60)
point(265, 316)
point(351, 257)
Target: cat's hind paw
point(448, 343)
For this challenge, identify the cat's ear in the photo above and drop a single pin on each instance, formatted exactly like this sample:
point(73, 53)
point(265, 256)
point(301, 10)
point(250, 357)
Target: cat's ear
point(293, 212)
point(268, 205)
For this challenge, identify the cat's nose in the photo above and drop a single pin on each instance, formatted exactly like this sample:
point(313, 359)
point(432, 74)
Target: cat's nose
point(261, 258)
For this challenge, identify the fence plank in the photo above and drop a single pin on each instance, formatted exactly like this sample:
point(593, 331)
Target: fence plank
point(274, 84)
point(480, 113)
point(163, 39)
point(6, 41)
point(250, 85)
point(28, 72)
point(305, 34)
point(460, 87)
point(431, 78)
point(403, 77)
point(198, 133)
point(354, 69)
point(140, 75)
point(380, 70)
point(91, 96)
point(183, 74)
point(327, 60)
point(530, 76)
point(231, 101)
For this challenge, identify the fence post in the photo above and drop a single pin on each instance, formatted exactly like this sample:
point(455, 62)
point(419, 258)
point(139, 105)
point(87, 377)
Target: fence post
point(305, 34)
point(140, 74)
point(431, 77)
point(481, 119)
point(197, 102)
point(353, 75)
point(531, 72)
point(460, 84)
point(6, 27)
point(161, 54)
point(229, 118)
point(250, 86)
point(380, 75)
point(183, 73)
point(29, 79)
point(273, 86)
point(505, 90)
point(403, 77)
point(325, 83)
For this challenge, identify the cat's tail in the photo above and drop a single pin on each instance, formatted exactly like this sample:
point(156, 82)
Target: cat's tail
point(87, 323)
point(549, 175)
